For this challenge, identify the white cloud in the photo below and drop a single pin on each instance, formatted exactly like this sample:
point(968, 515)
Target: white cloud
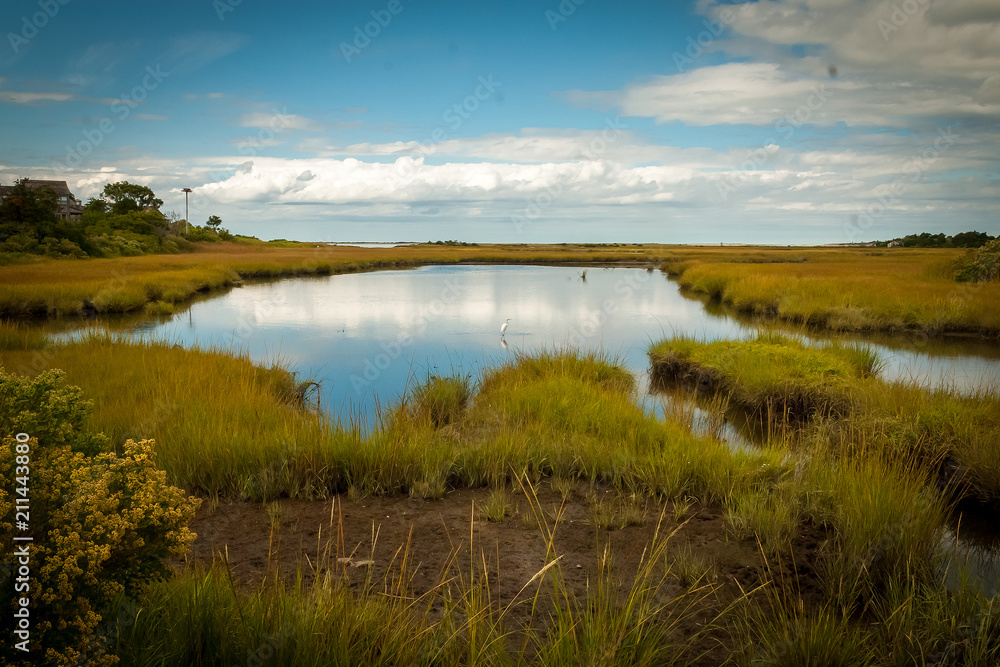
point(618, 145)
point(22, 97)
point(410, 180)
point(896, 62)
point(922, 40)
point(766, 94)
point(193, 51)
point(277, 120)
point(56, 96)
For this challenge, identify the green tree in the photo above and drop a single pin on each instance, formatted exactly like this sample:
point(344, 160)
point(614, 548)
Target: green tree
point(96, 205)
point(27, 205)
point(970, 239)
point(124, 197)
point(214, 221)
point(981, 264)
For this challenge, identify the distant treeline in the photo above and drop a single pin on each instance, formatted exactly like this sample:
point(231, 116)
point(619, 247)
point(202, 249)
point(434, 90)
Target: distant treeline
point(926, 240)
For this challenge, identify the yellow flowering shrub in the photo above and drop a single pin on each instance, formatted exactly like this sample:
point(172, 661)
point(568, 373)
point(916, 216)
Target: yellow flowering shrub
point(101, 525)
point(48, 409)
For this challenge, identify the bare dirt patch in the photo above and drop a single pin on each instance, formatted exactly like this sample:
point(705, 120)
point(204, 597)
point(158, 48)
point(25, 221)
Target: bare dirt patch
point(371, 535)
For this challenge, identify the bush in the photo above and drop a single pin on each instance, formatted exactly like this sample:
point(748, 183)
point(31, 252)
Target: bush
point(62, 248)
point(102, 523)
point(202, 234)
point(115, 245)
point(179, 242)
point(20, 243)
point(49, 410)
point(982, 264)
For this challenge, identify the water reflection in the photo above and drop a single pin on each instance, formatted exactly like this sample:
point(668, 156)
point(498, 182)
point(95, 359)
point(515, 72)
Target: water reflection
point(372, 334)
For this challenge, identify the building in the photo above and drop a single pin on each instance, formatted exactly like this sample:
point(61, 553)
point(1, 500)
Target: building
point(70, 208)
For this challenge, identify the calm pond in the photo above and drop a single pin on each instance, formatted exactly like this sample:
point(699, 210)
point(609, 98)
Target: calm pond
point(367, 337)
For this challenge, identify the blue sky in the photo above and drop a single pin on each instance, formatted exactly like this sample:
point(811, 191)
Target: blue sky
point(778, 121)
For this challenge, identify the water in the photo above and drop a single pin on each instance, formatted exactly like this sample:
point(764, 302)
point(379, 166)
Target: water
point(374, 244)
point(372, 335)
point(368, 337)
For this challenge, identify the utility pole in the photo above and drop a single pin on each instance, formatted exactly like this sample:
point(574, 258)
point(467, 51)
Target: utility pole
point(187, 224)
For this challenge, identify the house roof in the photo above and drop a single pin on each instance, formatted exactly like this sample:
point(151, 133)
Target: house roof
point(59, 187)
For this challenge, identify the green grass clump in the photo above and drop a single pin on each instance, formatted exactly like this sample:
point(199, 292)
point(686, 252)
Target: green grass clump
point(203, 619)
point(497, 506)
point(784, 381)
point(792, 639)
point(160, 308)
point(906, 624)
point(770, 375)
point(440, 400)
point(951, 433)
point(19, 337)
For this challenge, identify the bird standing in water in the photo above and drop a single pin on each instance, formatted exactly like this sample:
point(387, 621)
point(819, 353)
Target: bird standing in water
point(503, 327)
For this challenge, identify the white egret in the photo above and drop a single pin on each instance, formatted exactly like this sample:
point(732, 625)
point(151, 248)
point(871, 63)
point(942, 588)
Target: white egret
point(503, 327)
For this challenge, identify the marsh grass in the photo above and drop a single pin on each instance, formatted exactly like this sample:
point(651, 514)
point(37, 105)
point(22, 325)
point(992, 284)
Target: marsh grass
point(274, 513)
point(52, 288)
point(161, 308)
point(689, 565)
point(498, 505)
point(832, 393)
point(203, 617)
point(19, 337)
point(226, 427)
point(682, 506)
point(842, 289)
point(440, 400)
point(771, 374)
point(564, 486)
point(907, 623)
point(772, 519)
